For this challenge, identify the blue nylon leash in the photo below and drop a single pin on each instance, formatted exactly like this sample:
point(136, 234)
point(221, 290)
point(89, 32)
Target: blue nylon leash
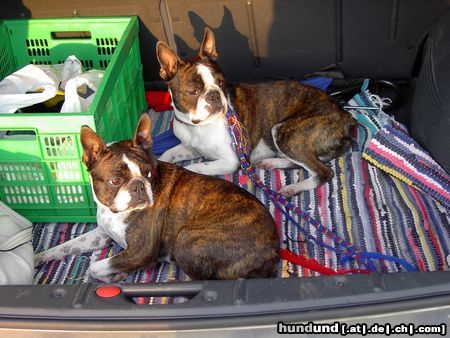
point(241, 144)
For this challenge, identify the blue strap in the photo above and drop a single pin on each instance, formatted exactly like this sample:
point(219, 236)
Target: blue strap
point(164, 141)
point(368, 256)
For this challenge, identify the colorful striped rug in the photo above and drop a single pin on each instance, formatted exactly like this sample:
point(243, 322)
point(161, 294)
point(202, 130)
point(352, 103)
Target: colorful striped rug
point(392, 150)
point(369, 208)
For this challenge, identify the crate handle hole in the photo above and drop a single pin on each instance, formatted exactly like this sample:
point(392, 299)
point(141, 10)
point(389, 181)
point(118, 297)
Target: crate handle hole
point(27, 135)
point(61, 35)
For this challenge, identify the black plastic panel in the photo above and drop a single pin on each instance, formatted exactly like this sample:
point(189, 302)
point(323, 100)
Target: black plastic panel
point(381, 38)
point(268, 38)
point(430, 115)
point(222, 303)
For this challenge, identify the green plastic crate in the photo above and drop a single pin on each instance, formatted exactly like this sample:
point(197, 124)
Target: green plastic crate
point(41, 174)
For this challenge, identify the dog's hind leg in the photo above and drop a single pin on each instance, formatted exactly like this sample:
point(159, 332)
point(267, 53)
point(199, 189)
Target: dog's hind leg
point(274, 163)
point(304, 155)
point(142, 254)
point(319, 174)
point(93, 240)
point(263, 150)
point(264, 156)
point(116, 268)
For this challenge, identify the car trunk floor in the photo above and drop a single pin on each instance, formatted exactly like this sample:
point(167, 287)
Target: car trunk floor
point(364, 205)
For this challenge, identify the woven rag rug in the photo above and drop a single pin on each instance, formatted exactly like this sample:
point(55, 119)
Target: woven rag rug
point(363, 204)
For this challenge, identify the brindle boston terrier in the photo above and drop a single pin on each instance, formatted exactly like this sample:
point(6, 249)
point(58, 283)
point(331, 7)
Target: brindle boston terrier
point(289, 123)
point(211, 228)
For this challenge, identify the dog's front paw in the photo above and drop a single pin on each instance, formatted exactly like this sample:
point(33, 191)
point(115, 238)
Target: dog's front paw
point(46, 256)
point(118, 277)
point(288, 191)
point(39, 259)
point(267, 164)
point(103, 271)
point(56, 253)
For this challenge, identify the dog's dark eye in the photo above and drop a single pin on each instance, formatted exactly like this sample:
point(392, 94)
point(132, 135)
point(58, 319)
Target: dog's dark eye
point(221, 83)
point(115, 181)
point(193, 92)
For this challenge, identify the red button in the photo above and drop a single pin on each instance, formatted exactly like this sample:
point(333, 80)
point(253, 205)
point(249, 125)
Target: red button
point(108, 291)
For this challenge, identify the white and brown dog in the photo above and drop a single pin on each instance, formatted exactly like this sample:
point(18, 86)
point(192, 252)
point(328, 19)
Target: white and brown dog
point(210, 227)
point(289, 123)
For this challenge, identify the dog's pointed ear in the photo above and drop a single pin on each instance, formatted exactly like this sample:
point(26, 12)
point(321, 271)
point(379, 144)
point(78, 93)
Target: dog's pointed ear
point(168, 60)
point(92, 145)
point(208, 47)
point(143, 135)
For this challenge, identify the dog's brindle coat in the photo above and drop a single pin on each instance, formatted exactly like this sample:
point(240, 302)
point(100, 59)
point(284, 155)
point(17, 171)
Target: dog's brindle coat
point(289, 123)
point(210, 227)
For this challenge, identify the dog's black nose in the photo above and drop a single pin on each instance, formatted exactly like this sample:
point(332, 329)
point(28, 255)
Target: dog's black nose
point(137, 188)
point(213, 96)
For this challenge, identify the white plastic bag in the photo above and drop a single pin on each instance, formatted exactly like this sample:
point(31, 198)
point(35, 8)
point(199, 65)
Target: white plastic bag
point(71, 68)
point(49, 78)
point(27, 79)
point(16, 251)
point(73, 102)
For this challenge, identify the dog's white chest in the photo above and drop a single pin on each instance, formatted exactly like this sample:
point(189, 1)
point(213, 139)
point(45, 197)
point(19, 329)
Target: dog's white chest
point(212, 140)
point(113, 224)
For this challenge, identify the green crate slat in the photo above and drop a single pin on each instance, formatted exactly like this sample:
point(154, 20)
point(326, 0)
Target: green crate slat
point(41, 174)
